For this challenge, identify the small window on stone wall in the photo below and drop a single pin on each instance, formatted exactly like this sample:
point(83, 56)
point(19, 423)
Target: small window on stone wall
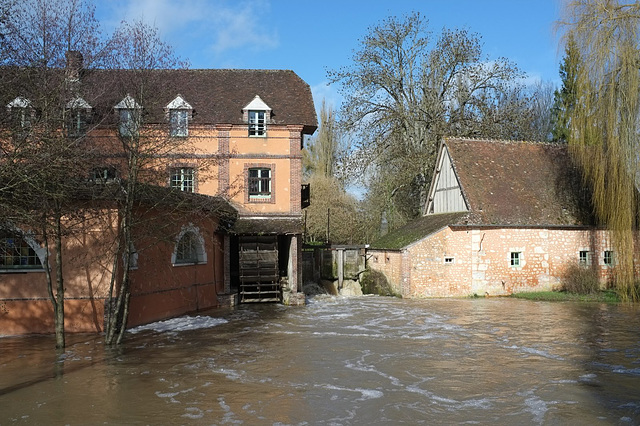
point(448, 260)
point(516, 259)
point(609, 258)
point(585, 258)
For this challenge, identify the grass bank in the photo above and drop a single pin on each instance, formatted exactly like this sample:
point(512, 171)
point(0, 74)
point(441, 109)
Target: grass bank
point(607, 296)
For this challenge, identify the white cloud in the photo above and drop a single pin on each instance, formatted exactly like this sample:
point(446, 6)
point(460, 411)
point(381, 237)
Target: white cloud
point(217, 25)
point(167, 15)
point(242, 27)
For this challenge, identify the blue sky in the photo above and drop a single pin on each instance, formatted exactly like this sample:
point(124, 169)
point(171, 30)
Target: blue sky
point(310, 37)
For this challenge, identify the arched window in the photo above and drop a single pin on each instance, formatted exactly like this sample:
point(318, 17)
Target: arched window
point(19, 251)
point(189, 247)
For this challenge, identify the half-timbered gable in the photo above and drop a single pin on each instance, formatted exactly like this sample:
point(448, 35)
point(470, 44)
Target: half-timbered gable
point(445, 195)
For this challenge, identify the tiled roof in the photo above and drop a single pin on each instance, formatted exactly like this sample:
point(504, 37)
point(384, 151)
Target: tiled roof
point(216, 95)
point(416, 230)
point(505, 183)
point(519, 183)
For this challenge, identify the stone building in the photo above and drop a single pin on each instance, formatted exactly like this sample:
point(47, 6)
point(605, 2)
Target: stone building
point(501, 217)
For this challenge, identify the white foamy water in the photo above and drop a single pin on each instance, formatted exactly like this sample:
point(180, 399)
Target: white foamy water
point(340, 361)
point(180, 324)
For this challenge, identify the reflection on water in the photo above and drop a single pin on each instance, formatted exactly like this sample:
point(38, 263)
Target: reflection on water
point(342, 361)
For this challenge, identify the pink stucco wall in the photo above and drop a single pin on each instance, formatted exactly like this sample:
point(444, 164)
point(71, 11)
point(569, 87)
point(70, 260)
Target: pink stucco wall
point(160, 289)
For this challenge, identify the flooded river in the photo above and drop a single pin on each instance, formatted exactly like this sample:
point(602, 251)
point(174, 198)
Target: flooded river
point(339, 361)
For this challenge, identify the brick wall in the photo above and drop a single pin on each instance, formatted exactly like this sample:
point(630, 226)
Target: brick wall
point(295, 143)
point(223, 167)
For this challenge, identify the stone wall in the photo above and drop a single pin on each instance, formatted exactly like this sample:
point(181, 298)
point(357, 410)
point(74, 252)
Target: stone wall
point(465, 261)
point(390, 263)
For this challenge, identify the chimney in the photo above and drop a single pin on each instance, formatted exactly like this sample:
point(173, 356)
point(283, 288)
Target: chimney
point(74, 65)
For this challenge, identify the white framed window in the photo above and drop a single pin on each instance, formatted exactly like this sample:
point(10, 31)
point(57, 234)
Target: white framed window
point(257, 123)
point(19, 252)
point(584, 258)
point(183, 178)
point(76, 123)
point(608, 258)
point(257, 114)
point(189, 248)
point(515, 259)
point(128, 123)
point(103, 174)
point(179, 122)
point(259, 183)
point(449, 260)
point(179, 113)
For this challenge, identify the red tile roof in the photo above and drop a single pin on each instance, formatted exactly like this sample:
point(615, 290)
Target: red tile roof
point(216, 95)
point(505, 184)
point(518, 183)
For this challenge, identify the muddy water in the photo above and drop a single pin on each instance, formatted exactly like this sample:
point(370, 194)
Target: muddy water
point(366, 360)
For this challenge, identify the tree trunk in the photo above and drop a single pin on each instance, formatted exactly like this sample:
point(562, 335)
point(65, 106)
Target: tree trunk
point(59, 305)
point(117, 323)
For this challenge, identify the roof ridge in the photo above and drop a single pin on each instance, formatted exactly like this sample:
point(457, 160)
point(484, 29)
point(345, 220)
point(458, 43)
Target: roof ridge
point(229, 69)
point(502, 141)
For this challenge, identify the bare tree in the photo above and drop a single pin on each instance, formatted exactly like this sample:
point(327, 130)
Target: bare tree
point(606, 117)
point(138, 58)
point(321, 156)
point(406, 90)
point(542, 99)
point(333, 215)
point(40, 162)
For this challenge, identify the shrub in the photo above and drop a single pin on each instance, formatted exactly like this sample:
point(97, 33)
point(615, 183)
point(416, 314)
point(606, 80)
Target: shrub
point(375, 282)
point(580, 280)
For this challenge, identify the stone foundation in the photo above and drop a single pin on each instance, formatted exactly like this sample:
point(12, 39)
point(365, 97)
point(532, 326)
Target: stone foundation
point(228, 300)
point(293, 299)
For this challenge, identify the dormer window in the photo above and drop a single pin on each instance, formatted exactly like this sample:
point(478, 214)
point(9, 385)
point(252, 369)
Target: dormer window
point(179, 113)
point(21, 112)
point(257, 114)
point(257, 123)
point(78, 112)
point(129, 112)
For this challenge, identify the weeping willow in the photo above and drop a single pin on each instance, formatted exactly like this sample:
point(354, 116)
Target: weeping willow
point(605, 121)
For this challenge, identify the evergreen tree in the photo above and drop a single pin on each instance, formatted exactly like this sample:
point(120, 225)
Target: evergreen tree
point(565, 97)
